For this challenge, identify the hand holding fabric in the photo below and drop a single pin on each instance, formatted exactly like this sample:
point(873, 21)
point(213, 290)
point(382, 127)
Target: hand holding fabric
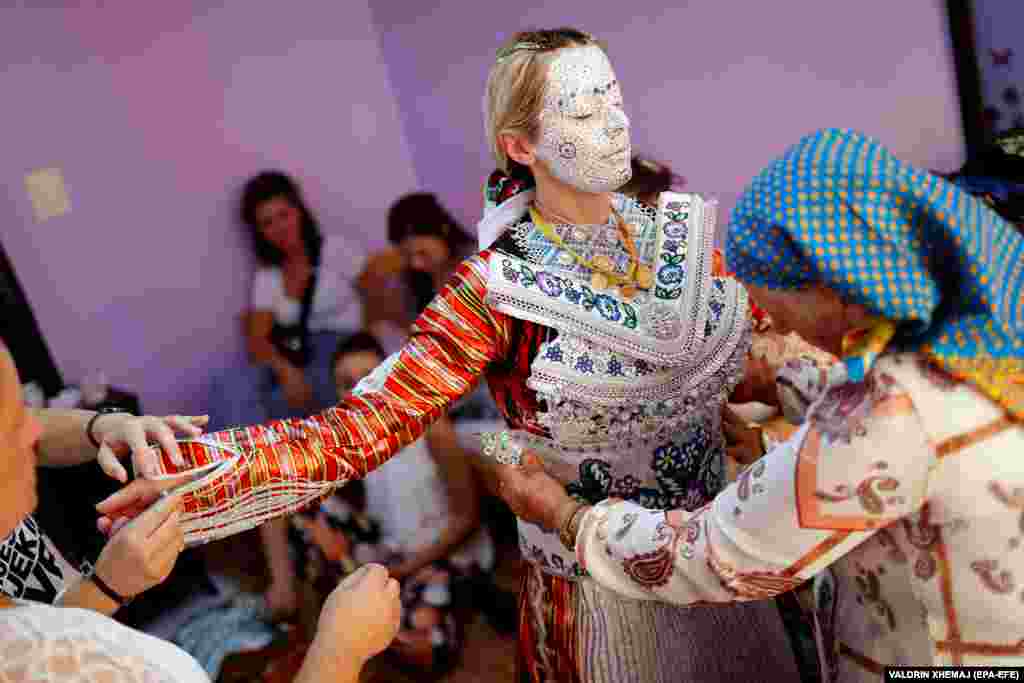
point(142, 553)
point(120, 434)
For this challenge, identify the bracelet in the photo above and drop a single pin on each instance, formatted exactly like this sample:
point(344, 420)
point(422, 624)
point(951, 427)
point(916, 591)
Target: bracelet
point(567, 533)
point(764, 439)
point(107, 590)
point(92, 422)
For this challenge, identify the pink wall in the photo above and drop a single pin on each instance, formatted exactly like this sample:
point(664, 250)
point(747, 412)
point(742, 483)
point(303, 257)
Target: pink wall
point(157, 112)
point(714, 87)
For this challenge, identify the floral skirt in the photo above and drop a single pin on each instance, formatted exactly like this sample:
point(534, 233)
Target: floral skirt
point(578, 632)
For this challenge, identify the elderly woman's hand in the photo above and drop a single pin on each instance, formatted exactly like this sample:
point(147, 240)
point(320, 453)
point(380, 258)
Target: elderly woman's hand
point(533, 494)
point(744, 443)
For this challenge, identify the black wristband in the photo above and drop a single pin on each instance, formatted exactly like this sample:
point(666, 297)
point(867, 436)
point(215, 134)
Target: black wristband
point(92, 421)
point(108, 591)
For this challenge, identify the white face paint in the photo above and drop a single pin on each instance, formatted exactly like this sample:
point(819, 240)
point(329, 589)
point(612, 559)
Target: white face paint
point(584, 132)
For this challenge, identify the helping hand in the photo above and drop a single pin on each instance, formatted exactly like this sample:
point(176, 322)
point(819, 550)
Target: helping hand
point(361, 616)
point(743, 442)
point(134, 499)
point(120, 434)
point(142, 553)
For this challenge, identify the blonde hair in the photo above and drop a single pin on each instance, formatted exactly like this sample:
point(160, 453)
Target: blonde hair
point(515, 85)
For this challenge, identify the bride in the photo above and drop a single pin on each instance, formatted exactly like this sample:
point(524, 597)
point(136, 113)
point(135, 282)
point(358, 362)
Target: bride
point(609, 345)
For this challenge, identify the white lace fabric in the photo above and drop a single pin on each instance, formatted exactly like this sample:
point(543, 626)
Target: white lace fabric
point(66, 645)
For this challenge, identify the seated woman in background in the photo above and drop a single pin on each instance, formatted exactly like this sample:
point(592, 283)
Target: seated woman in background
point(419, 516)
point(426, 243)
point(303, 301)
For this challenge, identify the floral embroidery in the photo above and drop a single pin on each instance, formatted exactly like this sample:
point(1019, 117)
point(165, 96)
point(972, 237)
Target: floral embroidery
point(549, 284)
point(594, 482)
point(663, 322)
point(689, 473)
point(557, 287)
point(869, 590)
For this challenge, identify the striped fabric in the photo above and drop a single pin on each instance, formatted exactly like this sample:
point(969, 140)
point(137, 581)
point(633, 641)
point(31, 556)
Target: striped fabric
point(452, 345)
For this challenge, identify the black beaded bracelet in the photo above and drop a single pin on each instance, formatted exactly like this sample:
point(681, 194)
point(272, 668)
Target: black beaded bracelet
point(108, 591)
point(92, 421)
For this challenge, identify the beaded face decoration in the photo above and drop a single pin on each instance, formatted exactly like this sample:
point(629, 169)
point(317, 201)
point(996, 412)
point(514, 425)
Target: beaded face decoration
point(584, 131)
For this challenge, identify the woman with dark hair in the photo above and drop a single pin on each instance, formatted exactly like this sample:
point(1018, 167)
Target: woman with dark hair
point(426, 244)
point(302, 301)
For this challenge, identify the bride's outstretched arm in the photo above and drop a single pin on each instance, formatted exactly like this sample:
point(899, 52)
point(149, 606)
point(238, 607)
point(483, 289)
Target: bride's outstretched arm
point(255, 473)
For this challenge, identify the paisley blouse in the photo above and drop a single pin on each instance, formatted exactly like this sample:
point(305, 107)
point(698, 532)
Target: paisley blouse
point(902, 495)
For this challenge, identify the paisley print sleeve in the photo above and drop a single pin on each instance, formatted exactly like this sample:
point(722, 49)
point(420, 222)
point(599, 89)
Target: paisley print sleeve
point(859, 462)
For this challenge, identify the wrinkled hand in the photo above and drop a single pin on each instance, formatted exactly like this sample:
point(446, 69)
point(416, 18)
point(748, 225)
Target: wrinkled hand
point(361, 616)
point(743, 442)
point(532, 494)
point(142, 553)
point(120, 434)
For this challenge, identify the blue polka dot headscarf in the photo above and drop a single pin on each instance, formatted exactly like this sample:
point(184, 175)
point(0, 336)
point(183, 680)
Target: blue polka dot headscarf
point(839, 209)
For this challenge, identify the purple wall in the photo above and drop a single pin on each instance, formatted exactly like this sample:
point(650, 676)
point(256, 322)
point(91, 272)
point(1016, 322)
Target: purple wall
point(157, 112)
point(716, 88)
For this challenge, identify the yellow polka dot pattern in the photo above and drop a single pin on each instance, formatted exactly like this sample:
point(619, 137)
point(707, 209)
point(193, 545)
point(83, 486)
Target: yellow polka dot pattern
point(840, 209)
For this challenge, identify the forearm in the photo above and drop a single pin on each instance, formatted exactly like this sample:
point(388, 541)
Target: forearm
point(85, 595)
point(280, 467)
point(274, 535)
point(323, 664)
point(712, 555)
point(801, 507)
point(64, 441)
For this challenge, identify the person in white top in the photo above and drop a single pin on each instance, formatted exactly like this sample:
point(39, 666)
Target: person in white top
point(69, 645)
point(303, 301)
point(419, 514)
